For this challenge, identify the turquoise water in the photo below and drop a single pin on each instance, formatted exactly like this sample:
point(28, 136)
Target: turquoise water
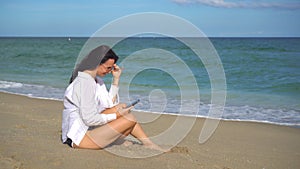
point(262, 74)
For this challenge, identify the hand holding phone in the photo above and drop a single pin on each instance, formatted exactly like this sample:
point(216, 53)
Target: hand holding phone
point(133, 103)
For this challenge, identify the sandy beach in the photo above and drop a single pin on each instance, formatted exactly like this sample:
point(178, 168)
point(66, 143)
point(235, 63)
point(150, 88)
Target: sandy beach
point(31, 128)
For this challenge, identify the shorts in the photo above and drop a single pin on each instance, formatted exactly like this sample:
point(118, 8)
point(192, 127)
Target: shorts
point(69, 142)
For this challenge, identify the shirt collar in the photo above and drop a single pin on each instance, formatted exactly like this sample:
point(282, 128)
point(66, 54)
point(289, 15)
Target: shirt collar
point(85, 75)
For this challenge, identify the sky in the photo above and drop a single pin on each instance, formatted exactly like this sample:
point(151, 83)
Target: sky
point(215, 18)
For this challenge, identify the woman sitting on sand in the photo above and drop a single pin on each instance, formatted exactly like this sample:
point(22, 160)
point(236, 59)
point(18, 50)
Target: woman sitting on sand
point(92, 117)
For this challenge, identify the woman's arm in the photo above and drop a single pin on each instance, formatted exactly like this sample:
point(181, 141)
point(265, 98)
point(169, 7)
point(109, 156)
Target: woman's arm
point(116, 72)
point(114, 89)
point(119, 110)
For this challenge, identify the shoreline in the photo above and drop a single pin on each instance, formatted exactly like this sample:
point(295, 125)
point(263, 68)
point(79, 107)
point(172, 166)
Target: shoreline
point(165, 113)
point(31, 130)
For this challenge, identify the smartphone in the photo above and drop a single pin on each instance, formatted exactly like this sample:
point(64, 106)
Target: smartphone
point(133, 103)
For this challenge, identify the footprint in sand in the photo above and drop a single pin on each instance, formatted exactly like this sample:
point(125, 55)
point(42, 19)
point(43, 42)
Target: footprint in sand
point(177, 149)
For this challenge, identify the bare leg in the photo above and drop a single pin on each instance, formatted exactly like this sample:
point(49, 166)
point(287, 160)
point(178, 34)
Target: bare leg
point(139, 133)
point(106, 134)
point(102, 136)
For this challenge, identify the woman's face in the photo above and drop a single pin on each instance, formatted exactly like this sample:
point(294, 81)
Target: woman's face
point(105, 68)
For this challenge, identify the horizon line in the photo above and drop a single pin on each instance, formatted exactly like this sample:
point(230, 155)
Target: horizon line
point(28, 36)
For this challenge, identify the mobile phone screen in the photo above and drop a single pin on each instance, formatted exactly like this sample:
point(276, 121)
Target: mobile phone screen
point(133, 103)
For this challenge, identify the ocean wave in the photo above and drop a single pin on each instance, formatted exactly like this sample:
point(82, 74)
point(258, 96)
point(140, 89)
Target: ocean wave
point(278, 115)
point(6, 85)
point(32, 90)
point(296, 124)
point(261, 114)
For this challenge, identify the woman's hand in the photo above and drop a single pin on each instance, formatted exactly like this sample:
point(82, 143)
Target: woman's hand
point(114, 109)
point(116, 72)
point(122, 110)
point(120, 106)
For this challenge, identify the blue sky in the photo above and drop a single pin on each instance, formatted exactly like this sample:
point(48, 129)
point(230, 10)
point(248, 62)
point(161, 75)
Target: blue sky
point(216, 18)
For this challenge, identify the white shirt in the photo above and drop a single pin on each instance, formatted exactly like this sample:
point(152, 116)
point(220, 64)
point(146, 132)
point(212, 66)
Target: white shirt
point(84, 101)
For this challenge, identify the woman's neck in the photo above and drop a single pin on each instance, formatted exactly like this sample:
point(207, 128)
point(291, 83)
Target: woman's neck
point(93, 73)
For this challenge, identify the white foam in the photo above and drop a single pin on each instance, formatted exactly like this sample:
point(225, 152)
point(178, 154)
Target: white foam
point(31, 96)
point(297, 124)
point(32, 90)
point(6, 84)
point(279, 116)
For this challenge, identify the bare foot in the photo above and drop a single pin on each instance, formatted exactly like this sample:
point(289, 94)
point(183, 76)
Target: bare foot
point(149, 144)
point(156, 147)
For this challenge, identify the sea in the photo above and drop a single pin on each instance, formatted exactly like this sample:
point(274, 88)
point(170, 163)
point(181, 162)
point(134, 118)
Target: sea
point(262, 75)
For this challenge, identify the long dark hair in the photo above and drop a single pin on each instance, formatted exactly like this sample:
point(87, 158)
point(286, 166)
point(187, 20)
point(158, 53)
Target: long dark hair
point(96, 57)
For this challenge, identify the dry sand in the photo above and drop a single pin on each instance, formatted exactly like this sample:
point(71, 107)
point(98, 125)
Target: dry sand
point(31, 128)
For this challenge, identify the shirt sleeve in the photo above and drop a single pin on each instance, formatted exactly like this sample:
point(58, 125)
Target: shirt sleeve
point(88, 111)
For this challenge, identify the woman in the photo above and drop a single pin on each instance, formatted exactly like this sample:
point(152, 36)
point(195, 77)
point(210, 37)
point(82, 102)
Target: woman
point(92, 117)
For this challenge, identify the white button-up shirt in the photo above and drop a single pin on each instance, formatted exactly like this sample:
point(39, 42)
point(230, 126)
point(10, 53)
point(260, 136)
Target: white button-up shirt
point(84, 101)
